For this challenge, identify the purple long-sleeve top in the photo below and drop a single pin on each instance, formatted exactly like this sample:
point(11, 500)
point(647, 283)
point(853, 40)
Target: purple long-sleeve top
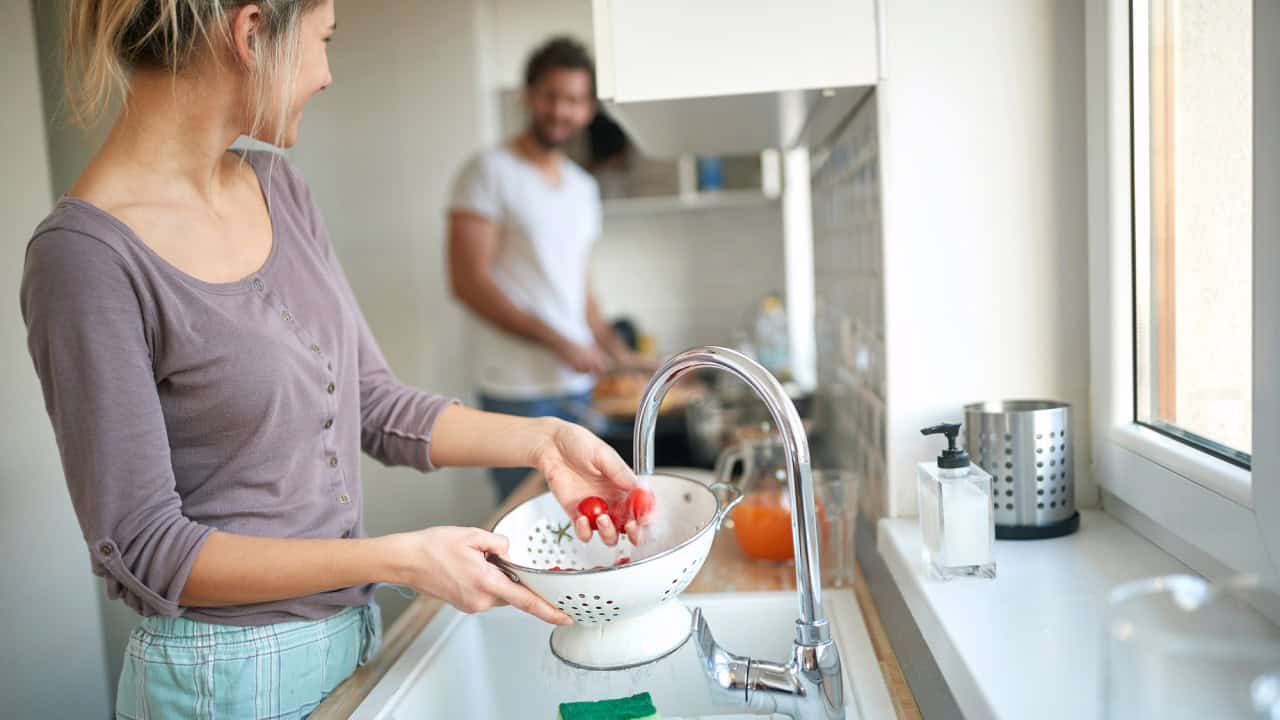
point(182, 407)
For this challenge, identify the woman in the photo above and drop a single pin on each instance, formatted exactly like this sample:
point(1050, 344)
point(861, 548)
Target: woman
point(211, 380)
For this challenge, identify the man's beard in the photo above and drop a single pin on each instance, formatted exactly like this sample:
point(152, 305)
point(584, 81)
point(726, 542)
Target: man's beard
point(541, 138)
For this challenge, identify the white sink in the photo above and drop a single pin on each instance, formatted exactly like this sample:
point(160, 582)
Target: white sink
point(497, 666)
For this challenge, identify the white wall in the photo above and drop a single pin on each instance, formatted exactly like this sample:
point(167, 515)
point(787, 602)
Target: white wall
point(518, 26)
point(379, 149)
point(690, 277)
point(983, 155)
point(52, 625)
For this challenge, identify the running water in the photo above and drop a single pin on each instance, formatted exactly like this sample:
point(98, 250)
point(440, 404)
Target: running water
point(656, 535)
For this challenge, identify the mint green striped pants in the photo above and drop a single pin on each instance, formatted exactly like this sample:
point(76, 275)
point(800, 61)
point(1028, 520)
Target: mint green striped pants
point(180, 668)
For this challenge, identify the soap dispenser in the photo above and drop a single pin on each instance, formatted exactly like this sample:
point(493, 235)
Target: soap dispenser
point(956, 519)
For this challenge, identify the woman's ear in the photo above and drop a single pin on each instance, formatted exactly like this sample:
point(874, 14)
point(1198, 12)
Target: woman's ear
point(245, 22)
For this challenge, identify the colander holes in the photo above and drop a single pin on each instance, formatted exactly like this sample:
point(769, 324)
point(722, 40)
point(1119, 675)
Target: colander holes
point(1040, 506)
point(1008, 493)
point(1039, 436)
point(1008, 451)
point(1039, 478)
point(1053, 504)
point(1052, 463)
point(581, 595)
point(597, 597)
point(1063, 446)
point(1040, 491)
point(1050, 433)
point(995, 505)
point(1008, 437)
point(1008, 506)
point(1039, 450)
point(1008, 478)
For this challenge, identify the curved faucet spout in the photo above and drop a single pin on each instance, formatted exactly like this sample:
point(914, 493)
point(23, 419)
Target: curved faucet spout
point(812, 628)
point(810, 684)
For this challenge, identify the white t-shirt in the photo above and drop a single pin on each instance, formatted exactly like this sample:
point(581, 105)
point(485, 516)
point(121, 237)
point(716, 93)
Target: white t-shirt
point(545, 235)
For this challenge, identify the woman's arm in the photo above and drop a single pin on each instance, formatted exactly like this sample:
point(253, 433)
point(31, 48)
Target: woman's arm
point(575, 463)
point(444, 562)
point(233, 569)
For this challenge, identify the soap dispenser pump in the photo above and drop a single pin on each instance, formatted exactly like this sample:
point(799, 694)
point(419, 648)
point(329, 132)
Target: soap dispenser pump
point(957, 522)
point(952, 459)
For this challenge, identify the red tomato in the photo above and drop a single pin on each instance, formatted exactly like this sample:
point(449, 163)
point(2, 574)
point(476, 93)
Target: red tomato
point(557, 568)
point(618, 514)
point(593, 507)
point(622, 561)
point(640, 503)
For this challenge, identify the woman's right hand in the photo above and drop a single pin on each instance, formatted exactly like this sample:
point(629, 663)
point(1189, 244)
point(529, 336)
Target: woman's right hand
point(449, 563)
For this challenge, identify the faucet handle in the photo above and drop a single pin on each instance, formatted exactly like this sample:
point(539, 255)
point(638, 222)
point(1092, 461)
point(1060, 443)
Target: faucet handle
point(726, 672)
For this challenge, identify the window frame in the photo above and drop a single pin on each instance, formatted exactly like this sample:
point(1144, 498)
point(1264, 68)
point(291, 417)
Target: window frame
point(1190, 497)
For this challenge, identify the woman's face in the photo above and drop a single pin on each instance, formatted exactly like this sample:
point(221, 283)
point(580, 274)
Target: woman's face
point(315, 29)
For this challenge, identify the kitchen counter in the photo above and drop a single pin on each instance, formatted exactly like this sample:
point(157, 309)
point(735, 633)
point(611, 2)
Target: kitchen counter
point(726, 570)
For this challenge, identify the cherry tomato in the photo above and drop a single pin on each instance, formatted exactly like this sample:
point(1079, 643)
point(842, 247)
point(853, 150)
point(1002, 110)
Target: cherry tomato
point(640, 503)
point(556, 568)
point(618, 513)
point(622, 561)
point(593, 507)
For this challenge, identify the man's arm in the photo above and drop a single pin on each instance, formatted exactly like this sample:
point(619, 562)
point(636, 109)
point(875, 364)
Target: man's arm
point(606, 337)
point(473, 242)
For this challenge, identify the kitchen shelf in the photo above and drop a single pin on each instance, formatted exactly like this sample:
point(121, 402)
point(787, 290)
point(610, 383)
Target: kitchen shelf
point(623, 207)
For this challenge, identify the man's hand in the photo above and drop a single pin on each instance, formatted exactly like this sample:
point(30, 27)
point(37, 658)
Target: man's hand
point(583, 358)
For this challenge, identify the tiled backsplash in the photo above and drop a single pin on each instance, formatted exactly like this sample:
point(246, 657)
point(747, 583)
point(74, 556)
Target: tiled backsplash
point(690, 277)
point(849, 285)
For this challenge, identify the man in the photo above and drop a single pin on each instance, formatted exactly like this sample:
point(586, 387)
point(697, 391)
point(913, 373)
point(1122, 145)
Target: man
point(522, 220)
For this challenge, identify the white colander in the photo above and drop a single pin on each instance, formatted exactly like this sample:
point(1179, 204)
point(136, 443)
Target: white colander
point(625, 615)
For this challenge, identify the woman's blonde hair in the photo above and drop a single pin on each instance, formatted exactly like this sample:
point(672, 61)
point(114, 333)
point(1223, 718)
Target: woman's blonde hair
point(107, 39)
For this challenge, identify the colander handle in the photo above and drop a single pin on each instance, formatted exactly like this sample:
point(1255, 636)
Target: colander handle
point(504, 566)
point(726, 506)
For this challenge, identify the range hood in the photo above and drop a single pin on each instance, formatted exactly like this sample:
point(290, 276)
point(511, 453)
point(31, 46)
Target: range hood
point(735, 124)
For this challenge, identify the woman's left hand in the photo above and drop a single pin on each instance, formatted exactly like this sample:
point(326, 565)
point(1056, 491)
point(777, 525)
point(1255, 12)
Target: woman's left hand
point(578, 465)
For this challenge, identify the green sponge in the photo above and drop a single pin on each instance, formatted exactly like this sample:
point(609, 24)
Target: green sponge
point(636, 707)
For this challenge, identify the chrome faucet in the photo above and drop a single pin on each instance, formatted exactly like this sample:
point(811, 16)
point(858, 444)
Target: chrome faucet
point(809, 685)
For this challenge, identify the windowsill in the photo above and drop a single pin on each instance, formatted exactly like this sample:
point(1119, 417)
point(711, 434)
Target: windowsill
point(1027, 644)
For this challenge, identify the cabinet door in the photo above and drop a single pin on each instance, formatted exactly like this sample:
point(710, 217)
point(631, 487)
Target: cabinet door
point(666, 49)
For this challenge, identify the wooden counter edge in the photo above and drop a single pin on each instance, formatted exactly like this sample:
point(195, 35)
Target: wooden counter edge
point(348, 695)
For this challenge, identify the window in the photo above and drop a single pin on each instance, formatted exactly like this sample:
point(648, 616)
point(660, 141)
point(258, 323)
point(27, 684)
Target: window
point(1181, 309)
point(1193, 239)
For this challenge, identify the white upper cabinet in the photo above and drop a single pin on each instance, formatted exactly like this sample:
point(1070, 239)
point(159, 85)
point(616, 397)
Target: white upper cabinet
point(669, 49)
